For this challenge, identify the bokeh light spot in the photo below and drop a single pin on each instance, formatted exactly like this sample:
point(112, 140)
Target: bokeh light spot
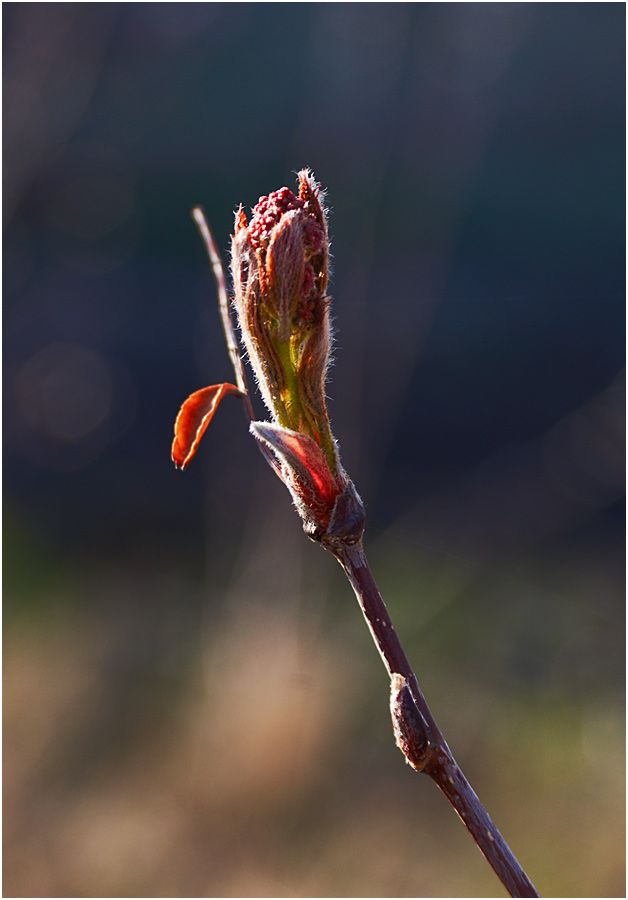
point(65, 391)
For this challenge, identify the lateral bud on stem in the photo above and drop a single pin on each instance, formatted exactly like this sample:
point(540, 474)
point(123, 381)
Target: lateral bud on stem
point(410, 728)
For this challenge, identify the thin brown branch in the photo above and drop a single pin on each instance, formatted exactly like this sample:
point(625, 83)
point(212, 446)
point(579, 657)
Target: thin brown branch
point(198, 214)
point(417, 734)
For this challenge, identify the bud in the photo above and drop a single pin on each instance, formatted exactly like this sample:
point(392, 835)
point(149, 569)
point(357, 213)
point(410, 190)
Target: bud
point(279, 264)
point(410, 728)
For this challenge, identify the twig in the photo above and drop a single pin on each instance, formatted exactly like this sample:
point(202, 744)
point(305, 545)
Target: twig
point(198, 214)
point(417, 734)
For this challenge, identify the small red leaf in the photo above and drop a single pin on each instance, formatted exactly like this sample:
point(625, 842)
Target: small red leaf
point(194, 417)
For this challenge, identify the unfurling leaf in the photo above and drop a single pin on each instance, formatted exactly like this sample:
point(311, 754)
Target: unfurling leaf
point(194, 417)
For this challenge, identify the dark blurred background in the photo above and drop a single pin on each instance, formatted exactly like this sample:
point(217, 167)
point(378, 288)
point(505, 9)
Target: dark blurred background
point(192, 704)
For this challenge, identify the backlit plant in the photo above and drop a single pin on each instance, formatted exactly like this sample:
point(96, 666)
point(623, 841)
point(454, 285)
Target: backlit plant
point(279, 265)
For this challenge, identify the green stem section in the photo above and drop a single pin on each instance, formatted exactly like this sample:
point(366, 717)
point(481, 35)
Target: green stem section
point(290, 395)
point(298, 418)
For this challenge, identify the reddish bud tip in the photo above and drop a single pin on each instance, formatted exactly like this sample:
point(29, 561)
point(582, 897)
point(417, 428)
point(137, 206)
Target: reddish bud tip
point(240, 220)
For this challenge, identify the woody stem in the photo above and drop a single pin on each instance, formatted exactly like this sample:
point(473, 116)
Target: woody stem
point(437, 760)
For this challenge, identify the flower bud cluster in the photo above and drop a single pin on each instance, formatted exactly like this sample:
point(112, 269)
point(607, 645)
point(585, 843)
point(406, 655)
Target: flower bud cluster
point(280, 268)
point(279, 264)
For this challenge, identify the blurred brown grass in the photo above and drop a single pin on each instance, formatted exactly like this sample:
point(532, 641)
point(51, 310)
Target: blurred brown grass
point(252, 755)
